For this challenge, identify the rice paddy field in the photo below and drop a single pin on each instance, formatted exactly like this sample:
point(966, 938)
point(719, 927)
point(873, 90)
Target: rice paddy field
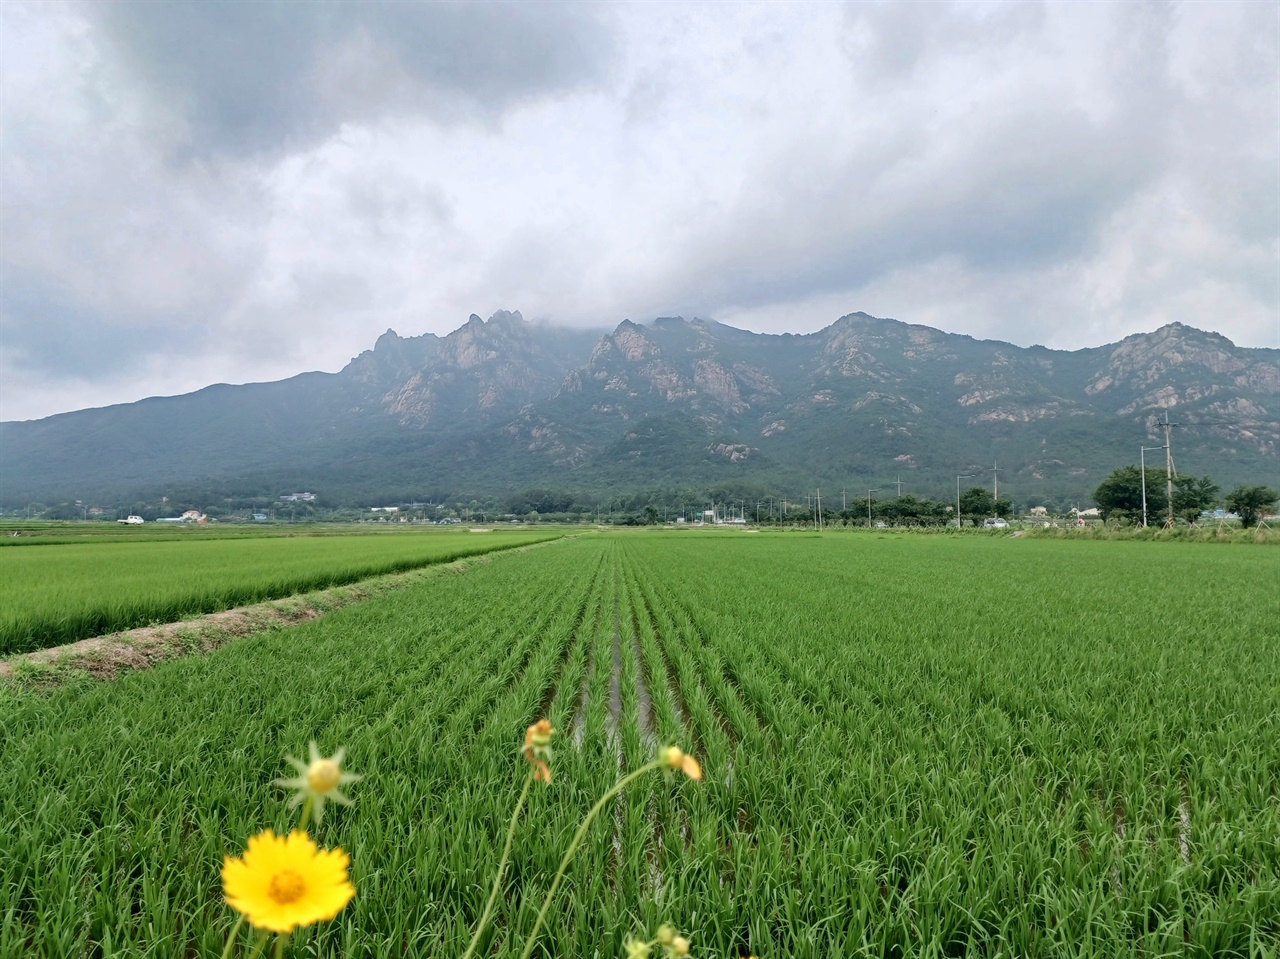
point(57, 589)
point(912, 745)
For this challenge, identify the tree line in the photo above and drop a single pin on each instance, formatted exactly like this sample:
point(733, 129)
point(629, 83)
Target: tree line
point(1121, 496)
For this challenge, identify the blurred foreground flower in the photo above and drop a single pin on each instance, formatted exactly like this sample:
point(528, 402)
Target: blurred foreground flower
point(283, 882)
point(673, 944)
point(317, 781)
point(673, 757)
point(537, 749)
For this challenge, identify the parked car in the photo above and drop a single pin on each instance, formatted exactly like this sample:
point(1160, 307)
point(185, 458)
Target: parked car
point(994, 522)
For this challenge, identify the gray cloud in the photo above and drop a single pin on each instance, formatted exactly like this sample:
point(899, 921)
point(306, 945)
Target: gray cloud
point(262, 76)
point(1006, 185)
point(46, 331)
point(267, 187)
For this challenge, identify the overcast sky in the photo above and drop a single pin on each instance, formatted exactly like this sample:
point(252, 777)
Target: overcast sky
point(211, 192)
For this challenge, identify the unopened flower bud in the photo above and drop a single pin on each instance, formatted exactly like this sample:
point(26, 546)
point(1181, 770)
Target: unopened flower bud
point(666, 934)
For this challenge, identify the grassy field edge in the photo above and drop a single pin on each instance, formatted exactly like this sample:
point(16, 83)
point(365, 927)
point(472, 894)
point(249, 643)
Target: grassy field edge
point(108, 656)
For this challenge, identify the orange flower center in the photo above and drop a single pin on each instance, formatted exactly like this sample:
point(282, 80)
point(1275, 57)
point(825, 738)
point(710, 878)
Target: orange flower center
point(323, 775)
point(286, 887)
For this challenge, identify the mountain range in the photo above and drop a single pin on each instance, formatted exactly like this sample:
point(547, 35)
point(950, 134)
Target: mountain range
point(502, 405)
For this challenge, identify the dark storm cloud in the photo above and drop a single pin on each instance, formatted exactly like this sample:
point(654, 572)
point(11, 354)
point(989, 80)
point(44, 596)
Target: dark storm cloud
point(260, 76)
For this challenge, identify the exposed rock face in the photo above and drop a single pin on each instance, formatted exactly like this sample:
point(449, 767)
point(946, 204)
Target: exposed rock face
point(718, 383)
point(482, 369)
point(735, 452)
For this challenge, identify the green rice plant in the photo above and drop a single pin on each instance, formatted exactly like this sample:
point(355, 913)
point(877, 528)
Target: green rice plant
point(913, 746)
point(58, 594)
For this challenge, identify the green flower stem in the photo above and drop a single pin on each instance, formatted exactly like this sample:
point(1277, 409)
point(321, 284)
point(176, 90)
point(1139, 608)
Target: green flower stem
point(573, 848)
point(502, 868)
point(306, 813)
point(281, 942)
point(231, 939)
point(260, 945)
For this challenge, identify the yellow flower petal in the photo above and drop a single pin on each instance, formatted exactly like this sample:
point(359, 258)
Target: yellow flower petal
point(283, 882)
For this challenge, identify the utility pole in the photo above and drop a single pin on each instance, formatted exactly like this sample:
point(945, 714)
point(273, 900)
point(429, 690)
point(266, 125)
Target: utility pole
point(869, 492)
point(995, 480)
point(1169, 472)
point(959, 477)
point(899, 486)
point(1142, 457)
point(817, 502)
point(843, 505)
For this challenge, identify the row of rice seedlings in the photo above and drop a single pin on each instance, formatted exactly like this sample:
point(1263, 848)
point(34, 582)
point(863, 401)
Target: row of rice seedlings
point(59, 594)
point(757, 849)
point(700, 854)
point(634, 829)
point(944, 702)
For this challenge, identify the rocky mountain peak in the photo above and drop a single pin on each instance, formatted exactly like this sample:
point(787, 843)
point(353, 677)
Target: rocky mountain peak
point(1172, 354)
point(503, 401)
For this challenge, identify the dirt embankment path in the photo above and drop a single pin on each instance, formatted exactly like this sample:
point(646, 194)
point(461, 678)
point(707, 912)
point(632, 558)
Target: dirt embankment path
point(106, 657)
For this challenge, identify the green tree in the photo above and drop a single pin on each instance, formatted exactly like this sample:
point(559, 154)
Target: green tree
point(976, 503)
point(907, 509)
point(1251, 502)
point(1119, 496)
point(1193, 495)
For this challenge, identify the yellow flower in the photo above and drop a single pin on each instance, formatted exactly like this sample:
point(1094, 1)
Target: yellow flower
point(680, 946)
point(283, 882)
point(319, 780)
point(673, 757)
point(666, 934)
point(537, 749)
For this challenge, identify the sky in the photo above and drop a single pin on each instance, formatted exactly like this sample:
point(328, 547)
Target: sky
point(193, 193)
